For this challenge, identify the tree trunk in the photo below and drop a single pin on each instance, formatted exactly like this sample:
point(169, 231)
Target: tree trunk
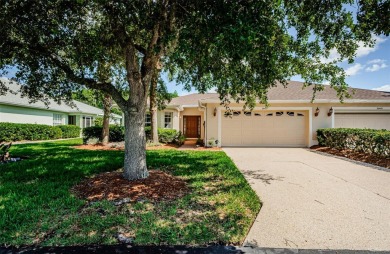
point(135, 144)
point(107, 104)
point(134, 109)
point(153, 107)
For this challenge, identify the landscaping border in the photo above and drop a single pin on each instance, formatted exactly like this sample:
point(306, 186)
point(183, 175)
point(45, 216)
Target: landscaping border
point(350, 160)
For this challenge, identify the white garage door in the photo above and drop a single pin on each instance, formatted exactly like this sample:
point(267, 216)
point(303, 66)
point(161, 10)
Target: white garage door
point(371, 121)
point(264, 128)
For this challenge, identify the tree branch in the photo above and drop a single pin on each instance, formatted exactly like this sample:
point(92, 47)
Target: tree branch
point(106, 87)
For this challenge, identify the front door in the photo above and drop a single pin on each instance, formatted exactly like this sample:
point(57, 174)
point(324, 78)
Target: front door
point(191, 126)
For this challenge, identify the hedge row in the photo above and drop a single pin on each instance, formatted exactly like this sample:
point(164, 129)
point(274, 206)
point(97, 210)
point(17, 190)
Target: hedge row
point(359, 140)
point(70, 131)
point(17, 132)
point(117, 134)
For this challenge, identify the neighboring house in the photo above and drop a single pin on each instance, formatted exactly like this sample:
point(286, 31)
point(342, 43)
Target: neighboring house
point(291, 120)
point(16, 109)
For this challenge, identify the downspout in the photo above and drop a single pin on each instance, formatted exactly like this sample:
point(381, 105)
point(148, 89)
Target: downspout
point(204, 109)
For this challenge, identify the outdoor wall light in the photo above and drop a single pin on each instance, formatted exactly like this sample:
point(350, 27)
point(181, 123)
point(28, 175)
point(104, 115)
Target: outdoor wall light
point(215, 111)
point(317, 112)
point(330, 111)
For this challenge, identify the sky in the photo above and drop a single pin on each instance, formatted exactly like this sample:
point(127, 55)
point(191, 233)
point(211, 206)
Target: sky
point(371, 69)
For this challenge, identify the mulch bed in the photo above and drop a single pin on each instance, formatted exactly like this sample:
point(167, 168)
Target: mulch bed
point(159, 186)
point(357, 156)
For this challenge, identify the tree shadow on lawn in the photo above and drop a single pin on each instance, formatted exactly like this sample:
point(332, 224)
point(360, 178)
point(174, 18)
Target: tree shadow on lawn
point(36, 206)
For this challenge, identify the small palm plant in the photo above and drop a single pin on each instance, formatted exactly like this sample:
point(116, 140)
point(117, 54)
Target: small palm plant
point(4, 152)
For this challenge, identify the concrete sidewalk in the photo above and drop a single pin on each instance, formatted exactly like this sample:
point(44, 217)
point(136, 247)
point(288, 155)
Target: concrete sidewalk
point(311, 201)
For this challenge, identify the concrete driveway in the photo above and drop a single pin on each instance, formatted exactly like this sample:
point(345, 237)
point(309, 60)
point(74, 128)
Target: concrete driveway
point(313, 201)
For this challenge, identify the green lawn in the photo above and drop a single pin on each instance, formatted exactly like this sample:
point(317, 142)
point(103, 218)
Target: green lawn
point(36, 206)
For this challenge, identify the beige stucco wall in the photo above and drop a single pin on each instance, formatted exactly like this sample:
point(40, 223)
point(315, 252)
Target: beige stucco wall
point(321, 121)
point(15, 114)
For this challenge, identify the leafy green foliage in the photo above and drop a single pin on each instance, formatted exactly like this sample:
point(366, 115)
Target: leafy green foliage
point(148, 132)
point(70, 131)
point(359, 140)
point(117, 133)
point(241, 47)
point(18, 132)
point(180, 138)
point(163, 96)
point(200, 142)
point(38, 208)
point(89, 96)
point(98, 121)
point(167, 135)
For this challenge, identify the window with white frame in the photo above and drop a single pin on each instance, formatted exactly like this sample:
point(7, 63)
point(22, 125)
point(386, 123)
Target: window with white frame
point(87, 121)
point(168, 120)
point(57, 119)
point(148, 119)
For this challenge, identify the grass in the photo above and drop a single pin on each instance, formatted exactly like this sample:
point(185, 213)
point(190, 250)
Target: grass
point(36, 206)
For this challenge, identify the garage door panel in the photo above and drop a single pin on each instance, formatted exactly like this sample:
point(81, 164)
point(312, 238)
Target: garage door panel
point(268, 128)
point(371, 121)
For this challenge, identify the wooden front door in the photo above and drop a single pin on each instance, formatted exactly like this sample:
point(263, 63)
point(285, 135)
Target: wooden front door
point(191, 126)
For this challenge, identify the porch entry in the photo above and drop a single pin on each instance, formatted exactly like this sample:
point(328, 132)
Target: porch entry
point(191, 126)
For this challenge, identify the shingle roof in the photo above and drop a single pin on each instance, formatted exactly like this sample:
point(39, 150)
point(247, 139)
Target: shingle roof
point(18, 100)
point(294, 92)
point(193, 99)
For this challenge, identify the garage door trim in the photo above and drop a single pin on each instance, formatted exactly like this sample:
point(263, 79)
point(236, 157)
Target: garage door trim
point(308, 109)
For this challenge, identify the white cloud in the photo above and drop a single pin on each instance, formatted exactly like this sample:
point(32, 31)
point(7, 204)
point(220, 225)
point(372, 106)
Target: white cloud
point(376, 61)
point(354, 69)
point(362, 50)
point(366, 50)
point(376, 65)
point(385, 88)
point(333, 55)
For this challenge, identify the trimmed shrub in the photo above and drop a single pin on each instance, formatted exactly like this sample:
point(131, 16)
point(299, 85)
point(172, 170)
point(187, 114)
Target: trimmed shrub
point(17, 132)
point(148, 132)
point(167, 135)
point(117, 133)
point(179, 139)
point(70, 131)
point(359, 140)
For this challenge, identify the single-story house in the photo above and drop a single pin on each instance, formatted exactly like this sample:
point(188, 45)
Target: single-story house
point(291, 120)
point(16, 109)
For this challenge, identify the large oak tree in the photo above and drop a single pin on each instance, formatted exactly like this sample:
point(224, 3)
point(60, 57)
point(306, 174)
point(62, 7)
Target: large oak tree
point(241, 47)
